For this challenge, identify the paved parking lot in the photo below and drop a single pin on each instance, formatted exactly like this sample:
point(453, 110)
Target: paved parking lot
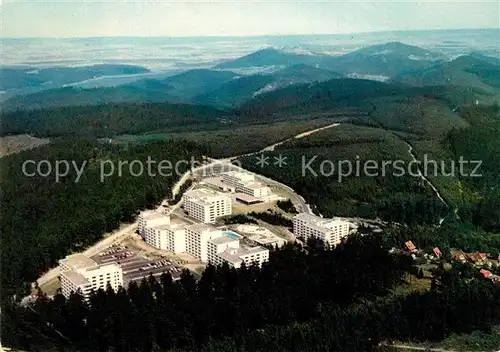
point(135, 267)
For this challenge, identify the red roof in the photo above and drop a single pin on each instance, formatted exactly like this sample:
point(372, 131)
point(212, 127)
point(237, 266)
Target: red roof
point(485, 273)
point(410, 245)
point(477, 256)
point(437, 252)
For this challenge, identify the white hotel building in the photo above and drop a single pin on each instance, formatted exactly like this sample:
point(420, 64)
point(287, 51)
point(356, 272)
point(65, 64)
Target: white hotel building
point(197, 237)
point(206, 205)
point(237, 256)
point(80, 273)
point(151, 218)
point(245, 183)
point(330, 231)
point(226, 249)
point(170, 237)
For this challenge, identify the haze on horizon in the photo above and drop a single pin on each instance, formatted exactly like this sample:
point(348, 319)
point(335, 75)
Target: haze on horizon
point(91, 18)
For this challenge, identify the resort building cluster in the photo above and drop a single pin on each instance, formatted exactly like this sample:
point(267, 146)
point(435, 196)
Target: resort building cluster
point(203, 241)
point(196, 234)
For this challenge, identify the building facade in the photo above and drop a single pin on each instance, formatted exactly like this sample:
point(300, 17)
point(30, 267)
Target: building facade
point(227, 249)
point(197, 237)
point(206, 206)
point(150, 218)
point(235, 257)
point(81, 274)
point(233, 178)
point(330, 231)
point(245, 183)
point(218, 245)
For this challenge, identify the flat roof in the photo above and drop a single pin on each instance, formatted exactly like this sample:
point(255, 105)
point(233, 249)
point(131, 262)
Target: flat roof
point(254, 185)
point(318, 222)
point(205, 196)
point(171, 226)
point(268, 238)
point(104, 265)
point(232, 258)
point(252, 250)
point(78, 261)
point(76, 278)
point(234, 255)
point(239, 174)
point(223, 239)
point(246, 198)
point(152, 214)
point(202, 227)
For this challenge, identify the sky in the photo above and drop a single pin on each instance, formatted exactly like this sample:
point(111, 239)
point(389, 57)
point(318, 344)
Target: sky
point(90, 18)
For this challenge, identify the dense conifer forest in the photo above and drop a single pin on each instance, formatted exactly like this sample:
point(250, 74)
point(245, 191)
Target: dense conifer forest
point(311, 300)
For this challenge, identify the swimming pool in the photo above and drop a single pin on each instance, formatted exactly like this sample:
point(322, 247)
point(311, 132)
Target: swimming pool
point(232, 235)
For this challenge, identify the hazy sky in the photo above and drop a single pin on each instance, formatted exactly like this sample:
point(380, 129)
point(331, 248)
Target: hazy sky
point(82, 18)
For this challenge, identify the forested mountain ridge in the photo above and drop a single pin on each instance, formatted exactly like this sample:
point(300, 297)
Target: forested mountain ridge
point(198, 86)
point(394, 61)
point(381, 59)
point(110, 119)
point(474, 70)
point(386, 60)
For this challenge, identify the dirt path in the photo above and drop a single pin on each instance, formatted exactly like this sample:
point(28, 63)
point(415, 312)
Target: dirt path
point(422, 176)
point(271, 147)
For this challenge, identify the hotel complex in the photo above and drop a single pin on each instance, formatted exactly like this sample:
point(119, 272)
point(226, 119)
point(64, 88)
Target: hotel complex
point(206, 205)
point(80, 273)
point(330, 231)
point(205, 242)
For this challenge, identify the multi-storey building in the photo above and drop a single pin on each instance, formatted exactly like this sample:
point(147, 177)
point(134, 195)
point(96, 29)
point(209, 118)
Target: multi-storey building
point(254, 189)
point(245, 183)
point(82, 274)
point(330, 231)
point(205, 205)
point(234, 257)
point(226, 249)
point(218, 245)
point(197, 237)
point(151, 218)
point(170, 237)
point(232, 178)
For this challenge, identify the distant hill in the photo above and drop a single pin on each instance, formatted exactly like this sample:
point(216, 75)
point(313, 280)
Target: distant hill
point(237, 91)
point(19, 78)
point(274, 57)
point(317, 96)
point(302, 73)
point(466, 70)
point(191, 83)
point(234, 92)
point(137, 92)
point(386, 59)
point(178, 88)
